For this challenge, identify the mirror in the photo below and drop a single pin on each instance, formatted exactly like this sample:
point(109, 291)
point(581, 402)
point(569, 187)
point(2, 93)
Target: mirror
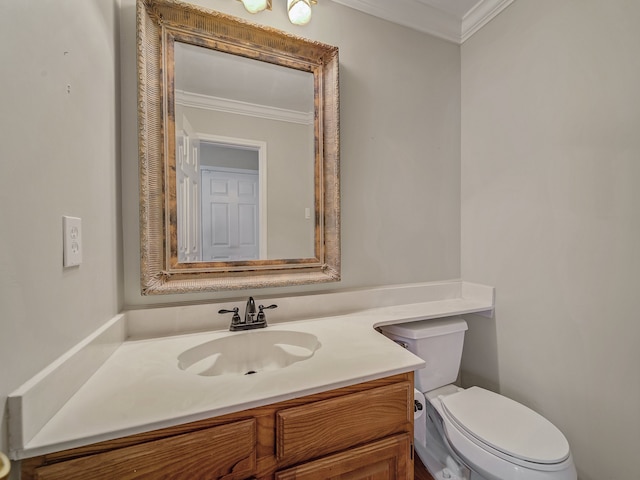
point(244, 159)
point(238, 153)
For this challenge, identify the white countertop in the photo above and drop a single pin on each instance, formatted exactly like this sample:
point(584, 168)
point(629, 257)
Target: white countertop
point(140, 386)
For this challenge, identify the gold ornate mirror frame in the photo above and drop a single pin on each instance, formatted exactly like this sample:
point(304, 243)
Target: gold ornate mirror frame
point(159, 24)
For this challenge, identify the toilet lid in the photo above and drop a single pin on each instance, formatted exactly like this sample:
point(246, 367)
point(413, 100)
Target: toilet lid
point(506, 426)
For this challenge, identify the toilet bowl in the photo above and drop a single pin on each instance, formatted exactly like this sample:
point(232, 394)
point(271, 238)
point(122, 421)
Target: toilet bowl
point(475, 434)
point(499, 439)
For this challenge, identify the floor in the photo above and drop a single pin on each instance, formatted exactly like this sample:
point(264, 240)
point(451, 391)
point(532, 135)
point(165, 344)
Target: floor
point(419, 470)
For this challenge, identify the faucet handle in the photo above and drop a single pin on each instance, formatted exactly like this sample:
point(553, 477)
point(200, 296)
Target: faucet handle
point(262, 318)
point(262, 307)
point(235, 310)
point(236, 316)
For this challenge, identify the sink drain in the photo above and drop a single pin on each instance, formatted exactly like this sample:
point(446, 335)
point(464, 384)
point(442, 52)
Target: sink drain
point(251, 372)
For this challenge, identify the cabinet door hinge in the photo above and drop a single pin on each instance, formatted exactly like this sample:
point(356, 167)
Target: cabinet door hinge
point(411, 447)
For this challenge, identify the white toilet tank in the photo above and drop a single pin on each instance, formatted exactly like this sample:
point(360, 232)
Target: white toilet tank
point(438, 342)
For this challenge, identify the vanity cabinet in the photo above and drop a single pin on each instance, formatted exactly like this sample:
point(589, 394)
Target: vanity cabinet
point(363, 431)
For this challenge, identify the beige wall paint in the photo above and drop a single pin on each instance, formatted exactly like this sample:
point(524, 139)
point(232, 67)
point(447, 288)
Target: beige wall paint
point(550, 197)
point(59, 155)
point(400, 142)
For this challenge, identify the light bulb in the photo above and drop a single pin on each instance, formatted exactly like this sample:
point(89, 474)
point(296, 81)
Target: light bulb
point(254, 6)
point(299, 11)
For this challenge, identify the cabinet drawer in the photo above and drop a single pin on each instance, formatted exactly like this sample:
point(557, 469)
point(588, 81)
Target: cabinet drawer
point(388, 459)
point(226, 451)
point(327, 426)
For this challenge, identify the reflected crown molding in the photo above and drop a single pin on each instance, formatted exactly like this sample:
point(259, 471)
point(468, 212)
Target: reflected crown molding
point(198, 100)
point(427, 16)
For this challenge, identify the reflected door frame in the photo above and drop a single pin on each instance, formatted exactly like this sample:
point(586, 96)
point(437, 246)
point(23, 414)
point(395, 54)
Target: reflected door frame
point(261, 148)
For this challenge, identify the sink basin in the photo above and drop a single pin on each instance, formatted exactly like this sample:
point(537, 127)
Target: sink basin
point(249, 352)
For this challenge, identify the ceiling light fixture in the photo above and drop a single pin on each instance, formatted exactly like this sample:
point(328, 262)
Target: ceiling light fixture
point(300, 11)
point(255, 6)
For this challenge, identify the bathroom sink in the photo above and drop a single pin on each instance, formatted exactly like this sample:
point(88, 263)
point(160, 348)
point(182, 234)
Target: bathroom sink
point(247, 353)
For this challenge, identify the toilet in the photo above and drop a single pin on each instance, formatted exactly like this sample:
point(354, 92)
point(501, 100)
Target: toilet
point(473, 433)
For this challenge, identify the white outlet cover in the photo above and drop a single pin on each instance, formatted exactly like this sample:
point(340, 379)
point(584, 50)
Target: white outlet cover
point(72, 241)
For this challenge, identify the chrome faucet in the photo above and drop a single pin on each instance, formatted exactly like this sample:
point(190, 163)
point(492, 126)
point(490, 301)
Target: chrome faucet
point(250, 311)
point(251, 318)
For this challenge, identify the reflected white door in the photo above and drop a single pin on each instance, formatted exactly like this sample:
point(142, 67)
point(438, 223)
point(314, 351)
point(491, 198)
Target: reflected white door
point(230, 215)
point(188, 195)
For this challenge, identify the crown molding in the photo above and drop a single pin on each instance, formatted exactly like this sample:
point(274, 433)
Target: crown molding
point(196, 100)
point(429, 19)
point(480, 15)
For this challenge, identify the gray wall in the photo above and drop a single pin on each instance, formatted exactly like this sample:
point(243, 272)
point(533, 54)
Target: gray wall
point(550, 198)
point(59, 155)
point(215, 155)
point(400, 148)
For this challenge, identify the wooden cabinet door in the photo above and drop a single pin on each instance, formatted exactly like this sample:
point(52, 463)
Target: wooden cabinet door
point(329, 426)
point(388, 459)
point(224, 452)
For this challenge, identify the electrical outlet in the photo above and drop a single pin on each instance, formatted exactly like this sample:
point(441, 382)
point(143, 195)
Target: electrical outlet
point(72, 241)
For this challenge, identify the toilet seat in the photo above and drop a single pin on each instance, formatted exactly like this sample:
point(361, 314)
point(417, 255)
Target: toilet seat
point(493, 423)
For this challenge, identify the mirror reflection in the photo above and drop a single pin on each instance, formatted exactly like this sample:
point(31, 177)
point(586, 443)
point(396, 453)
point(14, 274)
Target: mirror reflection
point(244, 140)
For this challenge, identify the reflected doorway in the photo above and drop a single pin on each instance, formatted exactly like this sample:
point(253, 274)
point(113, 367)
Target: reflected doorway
point(233, 200)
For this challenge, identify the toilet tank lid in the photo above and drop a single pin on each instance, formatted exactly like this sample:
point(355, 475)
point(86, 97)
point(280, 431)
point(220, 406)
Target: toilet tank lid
point(426, 328)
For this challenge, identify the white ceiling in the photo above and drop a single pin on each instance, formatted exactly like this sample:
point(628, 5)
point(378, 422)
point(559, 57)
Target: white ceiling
point(453, 20)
